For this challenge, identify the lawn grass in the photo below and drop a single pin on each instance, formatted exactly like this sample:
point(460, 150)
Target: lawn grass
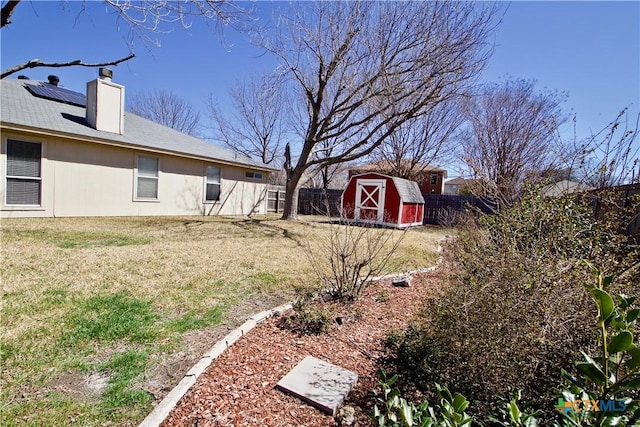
point(104, 301)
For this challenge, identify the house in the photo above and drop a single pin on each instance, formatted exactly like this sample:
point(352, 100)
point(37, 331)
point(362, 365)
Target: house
point(453, 186)
point(564, 187)
point(66, 154)
point(383, 199)
point(430, 179)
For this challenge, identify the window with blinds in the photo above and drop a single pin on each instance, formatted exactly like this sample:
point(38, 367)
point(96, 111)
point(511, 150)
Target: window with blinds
point(24, 173)
point(212, 185)
point(147, 178)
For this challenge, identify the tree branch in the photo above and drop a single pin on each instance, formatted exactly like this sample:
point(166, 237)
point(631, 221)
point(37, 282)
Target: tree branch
point(7, 11)
point(37, 63)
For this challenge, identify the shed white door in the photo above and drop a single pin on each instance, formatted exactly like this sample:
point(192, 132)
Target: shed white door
point(370, 199)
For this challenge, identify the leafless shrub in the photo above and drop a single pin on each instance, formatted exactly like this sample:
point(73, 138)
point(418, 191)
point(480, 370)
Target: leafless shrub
point(349, 253)
point(607, 158)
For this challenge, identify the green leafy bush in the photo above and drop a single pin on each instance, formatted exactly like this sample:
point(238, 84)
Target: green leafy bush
point(396, 411)
point(606, 392)
point(613, 376)
point(516, 309)
point(309, 317)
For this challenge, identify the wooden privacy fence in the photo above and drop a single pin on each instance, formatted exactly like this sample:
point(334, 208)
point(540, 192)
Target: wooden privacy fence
point(438, 208)
point(318, 201)
point(311, 201)
point(443, 208)
point(617, 200)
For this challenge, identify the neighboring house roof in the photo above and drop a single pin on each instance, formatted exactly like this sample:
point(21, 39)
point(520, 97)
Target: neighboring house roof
point(386, 166)
point(456, 181)
point(564, 187)
point(20, 110)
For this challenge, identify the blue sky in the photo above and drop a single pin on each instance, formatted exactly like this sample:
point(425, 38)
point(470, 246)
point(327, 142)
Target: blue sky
point(591, 50)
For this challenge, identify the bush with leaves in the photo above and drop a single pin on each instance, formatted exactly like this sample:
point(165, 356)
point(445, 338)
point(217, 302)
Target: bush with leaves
point(515, 310)
point(396, 411)
point(606, 391)
point(310, 318)
point(614, 374)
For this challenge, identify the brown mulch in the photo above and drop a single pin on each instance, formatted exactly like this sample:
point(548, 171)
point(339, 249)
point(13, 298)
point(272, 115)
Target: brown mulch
point(239, 387)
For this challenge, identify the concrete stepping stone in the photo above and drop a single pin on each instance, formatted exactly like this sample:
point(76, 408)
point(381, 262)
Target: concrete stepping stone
point(319, 383)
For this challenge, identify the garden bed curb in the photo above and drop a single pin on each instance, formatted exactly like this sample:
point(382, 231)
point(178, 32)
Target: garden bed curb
point(166, 405)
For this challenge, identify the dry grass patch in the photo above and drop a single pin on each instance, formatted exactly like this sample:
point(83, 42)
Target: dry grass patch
point(180, 280)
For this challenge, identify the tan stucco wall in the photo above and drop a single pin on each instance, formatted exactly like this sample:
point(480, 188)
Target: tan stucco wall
point(88, 179)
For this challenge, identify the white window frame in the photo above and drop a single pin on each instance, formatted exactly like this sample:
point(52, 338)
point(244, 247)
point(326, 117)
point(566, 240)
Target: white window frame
point(26, 178)
point(137, 176)
point(206, 183)
point(431, 179)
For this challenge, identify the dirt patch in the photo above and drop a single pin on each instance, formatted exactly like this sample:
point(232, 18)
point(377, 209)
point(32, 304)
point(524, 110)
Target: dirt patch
point(84, 388)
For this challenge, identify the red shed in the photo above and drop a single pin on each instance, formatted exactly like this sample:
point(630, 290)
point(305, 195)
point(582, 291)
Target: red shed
point(383, 199)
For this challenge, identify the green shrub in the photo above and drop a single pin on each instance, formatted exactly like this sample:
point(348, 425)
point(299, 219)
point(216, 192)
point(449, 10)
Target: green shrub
point(396, 411)
point(310, 317)
point(606, 391)
point(516, 310)
point(612, 375)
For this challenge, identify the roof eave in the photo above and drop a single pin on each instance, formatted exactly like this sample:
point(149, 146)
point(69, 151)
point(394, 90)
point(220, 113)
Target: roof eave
point(104, 141)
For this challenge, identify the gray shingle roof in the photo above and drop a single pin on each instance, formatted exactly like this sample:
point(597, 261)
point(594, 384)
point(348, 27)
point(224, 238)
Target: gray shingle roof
point(409, 190)
point(20, 109)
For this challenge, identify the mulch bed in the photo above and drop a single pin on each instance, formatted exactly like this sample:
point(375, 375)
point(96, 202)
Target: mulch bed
point(239, 387)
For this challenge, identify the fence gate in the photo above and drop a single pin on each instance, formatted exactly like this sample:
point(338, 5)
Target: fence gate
point(311, 201)
point(275, 198)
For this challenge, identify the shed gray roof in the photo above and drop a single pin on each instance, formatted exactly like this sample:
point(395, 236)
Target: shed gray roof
point(21, 110)
point(409, 190)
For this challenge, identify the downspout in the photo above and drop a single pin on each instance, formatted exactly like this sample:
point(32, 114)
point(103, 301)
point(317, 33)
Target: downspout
point(50, 154)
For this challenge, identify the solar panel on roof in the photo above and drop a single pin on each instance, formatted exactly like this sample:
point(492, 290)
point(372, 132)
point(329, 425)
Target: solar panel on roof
point(57, 93)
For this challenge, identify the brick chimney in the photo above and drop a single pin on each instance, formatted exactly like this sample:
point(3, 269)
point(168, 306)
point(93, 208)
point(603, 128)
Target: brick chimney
point(105, 103)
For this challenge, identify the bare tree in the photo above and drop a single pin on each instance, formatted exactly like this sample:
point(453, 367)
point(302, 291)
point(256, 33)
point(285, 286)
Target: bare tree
point(168, 109)
point(144, 18)
point(509, 136)
point(420, 142)
point(256, 126)
point(362, 69)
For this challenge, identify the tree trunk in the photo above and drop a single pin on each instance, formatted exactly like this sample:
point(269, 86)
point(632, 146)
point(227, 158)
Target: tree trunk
point(294, 174)
point(290, 211)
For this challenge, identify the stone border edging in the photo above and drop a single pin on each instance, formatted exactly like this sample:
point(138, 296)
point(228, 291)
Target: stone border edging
point(166, 405)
